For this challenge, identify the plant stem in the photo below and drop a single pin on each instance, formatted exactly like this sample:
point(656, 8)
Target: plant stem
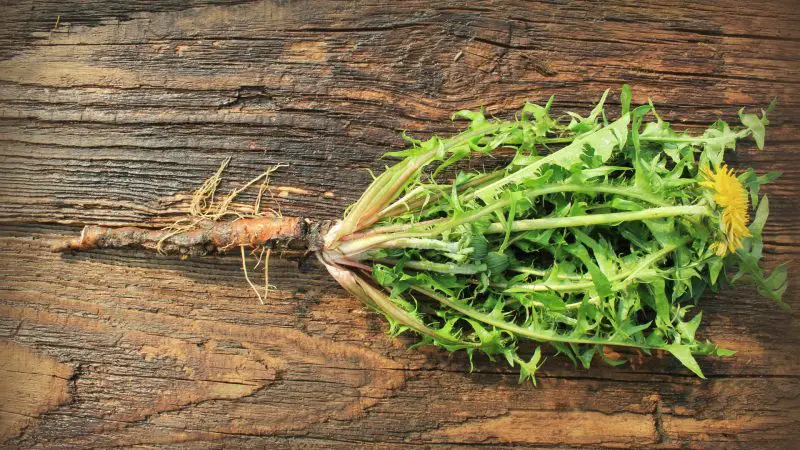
point(551, 189)
point(689, 139)
point(671, 139)
point(540, 140)
point(422, 244)
point(544, 273)
point(600, 219)
point(563, 140)
point(458, 269)
point(369, 241)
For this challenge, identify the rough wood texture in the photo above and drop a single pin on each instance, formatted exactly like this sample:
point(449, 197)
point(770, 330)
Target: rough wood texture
point(116, 114)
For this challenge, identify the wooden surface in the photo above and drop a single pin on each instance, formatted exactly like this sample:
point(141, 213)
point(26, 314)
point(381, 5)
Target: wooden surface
point(117, 113)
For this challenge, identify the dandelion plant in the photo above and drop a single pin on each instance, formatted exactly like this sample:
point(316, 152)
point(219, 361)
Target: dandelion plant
point(596, 233)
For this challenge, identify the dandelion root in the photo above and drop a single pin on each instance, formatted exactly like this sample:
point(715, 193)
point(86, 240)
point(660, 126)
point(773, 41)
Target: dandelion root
point(206, 237)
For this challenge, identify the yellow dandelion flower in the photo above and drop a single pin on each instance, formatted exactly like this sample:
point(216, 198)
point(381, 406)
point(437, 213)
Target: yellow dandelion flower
point(730, 195)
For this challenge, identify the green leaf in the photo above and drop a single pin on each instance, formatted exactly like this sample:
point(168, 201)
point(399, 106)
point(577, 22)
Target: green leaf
point(661, 302)
point(625, 204)
point(612, 362)
point(753, 182)
point(564, 349)
point(760, 219)
point(756, 124)
point(603, 253)
point(603, 141)
point(550, 300)
point(480, 247)
point(714, 268)
point(384, 275)
point(655, 339)
point(688, 329)
point(476, 118)
point(684, 354)
point(587, 355)
point(601, 283)
point(527, 370)
point(709, 349)
point(724, 352)
point(491, 342)
point(625, 98)
point(496, 262)
point(541, 116)
point(775, 285)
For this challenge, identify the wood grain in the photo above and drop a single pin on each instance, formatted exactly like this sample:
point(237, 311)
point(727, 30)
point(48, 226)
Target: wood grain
point(114, 116)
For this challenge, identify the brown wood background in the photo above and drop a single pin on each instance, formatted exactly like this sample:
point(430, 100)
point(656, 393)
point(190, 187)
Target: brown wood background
point(121, 110)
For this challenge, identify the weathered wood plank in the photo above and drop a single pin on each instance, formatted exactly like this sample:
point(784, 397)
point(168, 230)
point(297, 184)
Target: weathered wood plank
point(118, 113)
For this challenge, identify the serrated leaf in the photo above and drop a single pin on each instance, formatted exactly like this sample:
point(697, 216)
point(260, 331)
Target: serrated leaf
point(586, 356)
point(688, 329)
point(625, 96)
point(684, 354)
point(714, 268)
point(600, 281)
point(756, 124)
point(661, 302)
point(550, 300)
point(496, 262)
point(527, 370)
point(760, 219)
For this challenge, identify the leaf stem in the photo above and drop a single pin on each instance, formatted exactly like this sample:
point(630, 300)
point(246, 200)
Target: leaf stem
point(601, 219)
point(546, 272)
point(458, 269)
point(551, 189)
point(422, 244)
point(352, 247)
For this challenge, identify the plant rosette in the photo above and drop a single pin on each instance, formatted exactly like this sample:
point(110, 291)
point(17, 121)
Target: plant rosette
point(596, 233)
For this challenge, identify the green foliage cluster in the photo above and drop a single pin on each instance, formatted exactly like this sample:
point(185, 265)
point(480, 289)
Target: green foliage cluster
point(596, 233)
